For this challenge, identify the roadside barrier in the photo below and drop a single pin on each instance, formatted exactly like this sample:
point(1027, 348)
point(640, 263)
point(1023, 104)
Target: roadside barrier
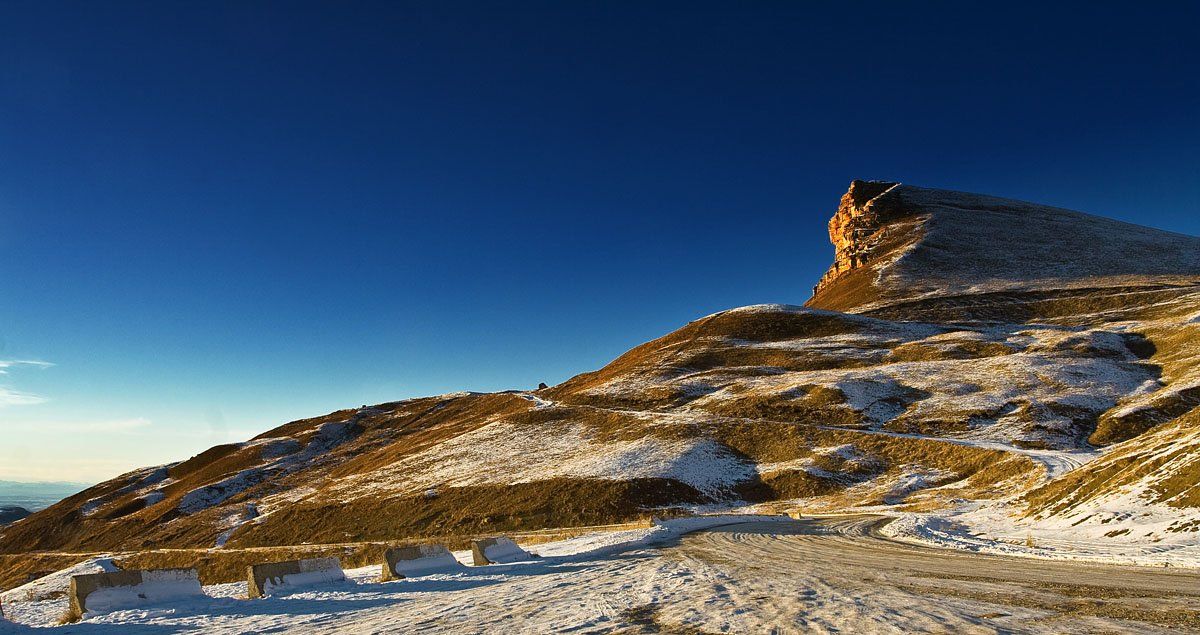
point(497, 551)
point(102, 592)
point(263, 579)
point(418, 560)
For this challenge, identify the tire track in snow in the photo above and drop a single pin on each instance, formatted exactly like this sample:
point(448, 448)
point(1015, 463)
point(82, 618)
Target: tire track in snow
point(821, 575)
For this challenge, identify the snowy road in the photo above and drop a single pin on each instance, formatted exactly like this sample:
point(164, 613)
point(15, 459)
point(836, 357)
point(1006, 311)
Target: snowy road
point(838, 574)
point(821, 575)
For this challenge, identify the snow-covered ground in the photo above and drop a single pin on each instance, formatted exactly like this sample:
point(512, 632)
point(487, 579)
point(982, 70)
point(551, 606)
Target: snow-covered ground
point(552, 450)
point(1129, 523)
point(993, 528)
point(43, 602)
point(746, 574)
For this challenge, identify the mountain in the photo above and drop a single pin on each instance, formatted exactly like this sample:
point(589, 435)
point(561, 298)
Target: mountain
point(11, 513)
point(898, 243)
point(962, 351)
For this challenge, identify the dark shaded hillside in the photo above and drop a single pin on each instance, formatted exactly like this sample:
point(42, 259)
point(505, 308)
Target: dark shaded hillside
point(11, 513)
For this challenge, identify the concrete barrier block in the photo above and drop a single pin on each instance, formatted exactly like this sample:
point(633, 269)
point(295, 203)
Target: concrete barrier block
point(418, 560)
point(497, 551)
point(100, 592)
point(262, 579)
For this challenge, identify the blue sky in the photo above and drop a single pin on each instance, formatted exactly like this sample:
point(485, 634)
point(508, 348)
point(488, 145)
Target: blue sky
point(216, 217)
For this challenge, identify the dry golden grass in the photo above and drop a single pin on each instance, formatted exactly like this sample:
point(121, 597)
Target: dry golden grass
point(692, 347)
point(764, 428)
point(856, 287)
point(553, 503)
point(962, 349)
point(1173, 345)
point(815, 407)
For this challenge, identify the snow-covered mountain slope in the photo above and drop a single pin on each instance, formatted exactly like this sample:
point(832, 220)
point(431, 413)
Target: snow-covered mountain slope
point(1050, 384)
point(898, 242)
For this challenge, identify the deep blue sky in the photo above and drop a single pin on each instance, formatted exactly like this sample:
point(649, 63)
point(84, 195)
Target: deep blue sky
point(215, 217)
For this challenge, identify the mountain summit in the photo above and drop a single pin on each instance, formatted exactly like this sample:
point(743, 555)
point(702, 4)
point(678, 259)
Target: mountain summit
point(897, 243)
point(963, 350)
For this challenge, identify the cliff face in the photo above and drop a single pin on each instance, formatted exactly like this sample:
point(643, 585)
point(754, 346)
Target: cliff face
point(857, 228)
point(872, 228)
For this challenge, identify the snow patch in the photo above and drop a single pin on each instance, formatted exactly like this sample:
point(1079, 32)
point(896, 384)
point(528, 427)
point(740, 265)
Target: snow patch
point(506, 453)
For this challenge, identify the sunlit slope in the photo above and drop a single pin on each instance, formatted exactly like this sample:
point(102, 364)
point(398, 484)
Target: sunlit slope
point(569, 455)
point(959, 376)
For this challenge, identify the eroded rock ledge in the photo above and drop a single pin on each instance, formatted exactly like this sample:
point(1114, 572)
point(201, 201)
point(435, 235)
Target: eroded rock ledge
point(855, 229)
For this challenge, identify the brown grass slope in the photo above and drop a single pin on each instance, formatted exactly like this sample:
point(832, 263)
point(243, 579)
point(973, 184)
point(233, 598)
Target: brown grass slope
point(949, 344)
point(301, 503)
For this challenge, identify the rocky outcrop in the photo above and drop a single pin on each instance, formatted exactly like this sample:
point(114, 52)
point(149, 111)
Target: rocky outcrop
point(855, 230)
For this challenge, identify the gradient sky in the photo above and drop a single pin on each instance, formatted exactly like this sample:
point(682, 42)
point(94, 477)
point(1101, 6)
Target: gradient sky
point(216, 217)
